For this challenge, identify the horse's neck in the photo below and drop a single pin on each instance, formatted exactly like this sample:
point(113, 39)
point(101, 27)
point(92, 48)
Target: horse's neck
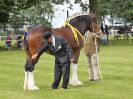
point(81, 28)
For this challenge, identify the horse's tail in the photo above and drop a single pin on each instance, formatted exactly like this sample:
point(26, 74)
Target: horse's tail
point(26, 45)
point(25, 42)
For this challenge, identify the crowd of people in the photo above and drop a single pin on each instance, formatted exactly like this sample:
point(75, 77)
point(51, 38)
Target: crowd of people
point(12, 41)
point(15, 41)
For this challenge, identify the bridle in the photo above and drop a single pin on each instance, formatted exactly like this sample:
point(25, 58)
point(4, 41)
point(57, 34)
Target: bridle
point(97, 47)
point(97, 33)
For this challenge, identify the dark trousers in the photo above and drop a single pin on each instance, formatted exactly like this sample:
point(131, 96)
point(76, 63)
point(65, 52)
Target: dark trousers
point(61, 69)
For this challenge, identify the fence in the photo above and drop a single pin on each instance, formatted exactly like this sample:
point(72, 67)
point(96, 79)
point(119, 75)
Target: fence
point(126, 35)
point(17, 44)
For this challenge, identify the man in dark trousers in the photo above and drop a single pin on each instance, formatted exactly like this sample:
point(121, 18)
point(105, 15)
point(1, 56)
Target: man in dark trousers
point(63, 57)
point(107, 32)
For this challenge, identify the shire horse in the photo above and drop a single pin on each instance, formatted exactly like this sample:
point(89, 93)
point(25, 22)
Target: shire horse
point(73, 31)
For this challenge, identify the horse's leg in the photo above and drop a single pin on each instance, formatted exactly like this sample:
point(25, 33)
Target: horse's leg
point(31, 82)
point(74, 80)
point(25, 87)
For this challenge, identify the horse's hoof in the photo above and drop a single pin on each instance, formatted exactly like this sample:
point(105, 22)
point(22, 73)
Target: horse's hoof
point(75, 83)
point(25, 87)
point(33, 88)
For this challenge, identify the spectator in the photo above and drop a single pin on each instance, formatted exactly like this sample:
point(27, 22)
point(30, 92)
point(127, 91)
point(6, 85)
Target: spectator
point(107, 32)
point(102, 29)
point(8, 42)
point(22, 46)
point(91, 47)
point(19, 41)
point(119, 32)
point(26, 32)
point(104, 39)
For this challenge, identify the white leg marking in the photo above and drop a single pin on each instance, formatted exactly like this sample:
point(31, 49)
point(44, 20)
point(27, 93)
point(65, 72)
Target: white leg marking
point(31, 82)
point(74, 81)
point(26, 80)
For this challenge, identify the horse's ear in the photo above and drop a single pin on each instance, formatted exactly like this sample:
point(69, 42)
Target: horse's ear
point(94, 15)
point(79, 18)
point(91, 13)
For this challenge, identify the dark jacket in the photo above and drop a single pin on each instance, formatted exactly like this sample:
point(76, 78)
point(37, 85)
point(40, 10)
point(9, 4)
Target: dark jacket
point(62, 50)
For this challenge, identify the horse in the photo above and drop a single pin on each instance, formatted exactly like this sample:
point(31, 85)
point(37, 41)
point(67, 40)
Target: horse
point(73, 31)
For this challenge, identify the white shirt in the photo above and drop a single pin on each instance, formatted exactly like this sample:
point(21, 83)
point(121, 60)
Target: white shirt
point(53, 40)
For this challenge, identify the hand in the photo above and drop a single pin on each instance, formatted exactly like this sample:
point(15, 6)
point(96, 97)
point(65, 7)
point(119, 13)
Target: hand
point(34, 56)
point(72, 60)
point(94, 34)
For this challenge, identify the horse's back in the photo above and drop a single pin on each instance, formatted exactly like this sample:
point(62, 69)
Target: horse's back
point(39, 29)
point(36, 37)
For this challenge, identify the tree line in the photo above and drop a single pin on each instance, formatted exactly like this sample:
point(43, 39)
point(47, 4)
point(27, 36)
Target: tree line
point(20, 12)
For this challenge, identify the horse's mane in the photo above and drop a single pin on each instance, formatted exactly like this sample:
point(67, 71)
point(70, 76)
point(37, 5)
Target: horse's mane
point(76, 15)
point(40, 28)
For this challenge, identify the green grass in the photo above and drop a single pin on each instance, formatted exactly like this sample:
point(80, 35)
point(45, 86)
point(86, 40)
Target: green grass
point(116, 64)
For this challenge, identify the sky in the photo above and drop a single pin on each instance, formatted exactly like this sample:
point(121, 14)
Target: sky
point(61, 13)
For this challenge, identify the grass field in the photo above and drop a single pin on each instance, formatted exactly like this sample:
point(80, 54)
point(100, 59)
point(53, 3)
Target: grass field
point(116, 64)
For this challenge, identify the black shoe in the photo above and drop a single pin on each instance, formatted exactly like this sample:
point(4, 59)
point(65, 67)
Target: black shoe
point(54, 87)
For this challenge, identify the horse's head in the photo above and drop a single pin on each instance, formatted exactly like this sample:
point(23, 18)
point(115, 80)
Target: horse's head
point(93, 25)
point(84, 22)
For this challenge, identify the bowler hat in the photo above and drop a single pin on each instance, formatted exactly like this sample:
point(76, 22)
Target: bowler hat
point(47, 35)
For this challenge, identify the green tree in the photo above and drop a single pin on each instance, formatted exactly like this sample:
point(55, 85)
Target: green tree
point(121, 9)
point(9, 6)
point(20, 12)
point(125, 10)
point(94, 6)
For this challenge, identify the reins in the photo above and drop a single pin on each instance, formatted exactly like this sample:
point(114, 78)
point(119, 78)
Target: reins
point(97, 50)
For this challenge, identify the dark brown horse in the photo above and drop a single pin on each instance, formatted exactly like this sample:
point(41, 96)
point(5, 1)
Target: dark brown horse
point(79, 23)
